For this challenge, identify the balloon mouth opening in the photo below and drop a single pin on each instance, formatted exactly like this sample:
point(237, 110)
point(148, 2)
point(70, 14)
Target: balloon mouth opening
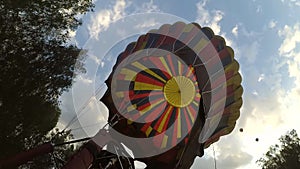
point(179, 91)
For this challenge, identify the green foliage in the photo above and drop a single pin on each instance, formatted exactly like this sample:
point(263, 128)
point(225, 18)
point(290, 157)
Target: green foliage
point(283, 156)
point(56, 159)
point(36, 65)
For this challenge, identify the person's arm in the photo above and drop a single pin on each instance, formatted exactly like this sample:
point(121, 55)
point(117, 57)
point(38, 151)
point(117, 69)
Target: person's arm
point(84, 158)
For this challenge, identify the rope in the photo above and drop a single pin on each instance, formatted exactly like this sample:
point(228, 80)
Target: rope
point(73, 141)
point(87, 126)
point(73, 120)
point(118, 157)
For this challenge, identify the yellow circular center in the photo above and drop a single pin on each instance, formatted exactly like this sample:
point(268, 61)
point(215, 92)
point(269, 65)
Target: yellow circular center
point(179, 91)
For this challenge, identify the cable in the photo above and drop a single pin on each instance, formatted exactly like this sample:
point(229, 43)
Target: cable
point(118, 157)
point(73, 141)
point(74, 119)
point(215, 161)
point(87, 126)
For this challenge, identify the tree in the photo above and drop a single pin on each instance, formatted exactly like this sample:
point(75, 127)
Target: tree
point(37, 64)
point(283, 156)
point(56, 159)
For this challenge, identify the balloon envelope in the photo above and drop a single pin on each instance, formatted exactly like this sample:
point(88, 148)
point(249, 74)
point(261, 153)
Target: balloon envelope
point(168, 86)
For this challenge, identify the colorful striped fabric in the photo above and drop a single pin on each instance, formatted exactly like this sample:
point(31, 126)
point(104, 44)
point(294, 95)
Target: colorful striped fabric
point(190, 65)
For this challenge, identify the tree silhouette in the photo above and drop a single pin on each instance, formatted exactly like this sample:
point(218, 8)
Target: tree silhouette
point(283, 156)
point(56, 159)
point(37, 64)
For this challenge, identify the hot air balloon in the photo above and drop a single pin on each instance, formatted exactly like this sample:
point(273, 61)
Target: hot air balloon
point(173, 93)
point(164, 86)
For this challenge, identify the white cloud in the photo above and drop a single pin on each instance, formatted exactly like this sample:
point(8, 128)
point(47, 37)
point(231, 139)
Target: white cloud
point(203, 14)
point(212, 19)
point(268, 116)
point(291, 36)
point(228, 154)
point(119, 10)
point(248, 33)
point(234, 30)
point(215, 23)
point(255, 93)
point(272, 117)
point(72, 33)
point(101, 20)
point(148, 7)
point(146, 24)
point(95, 58)
point(262, 115)
point(72, 37)
point(83, 79)
point(209, 18)
point(230, 157)
point(291, 3)
point(250, 51)
point(81, 110)
point(290, 99)
point(102, 64)
point(261, 77)
point(290, 107)
point(264, 118)
point(272, 24)
point(294, 69)
point(289, 49)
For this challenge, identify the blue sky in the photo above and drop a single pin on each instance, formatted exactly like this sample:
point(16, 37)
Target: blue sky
point(265, 36)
